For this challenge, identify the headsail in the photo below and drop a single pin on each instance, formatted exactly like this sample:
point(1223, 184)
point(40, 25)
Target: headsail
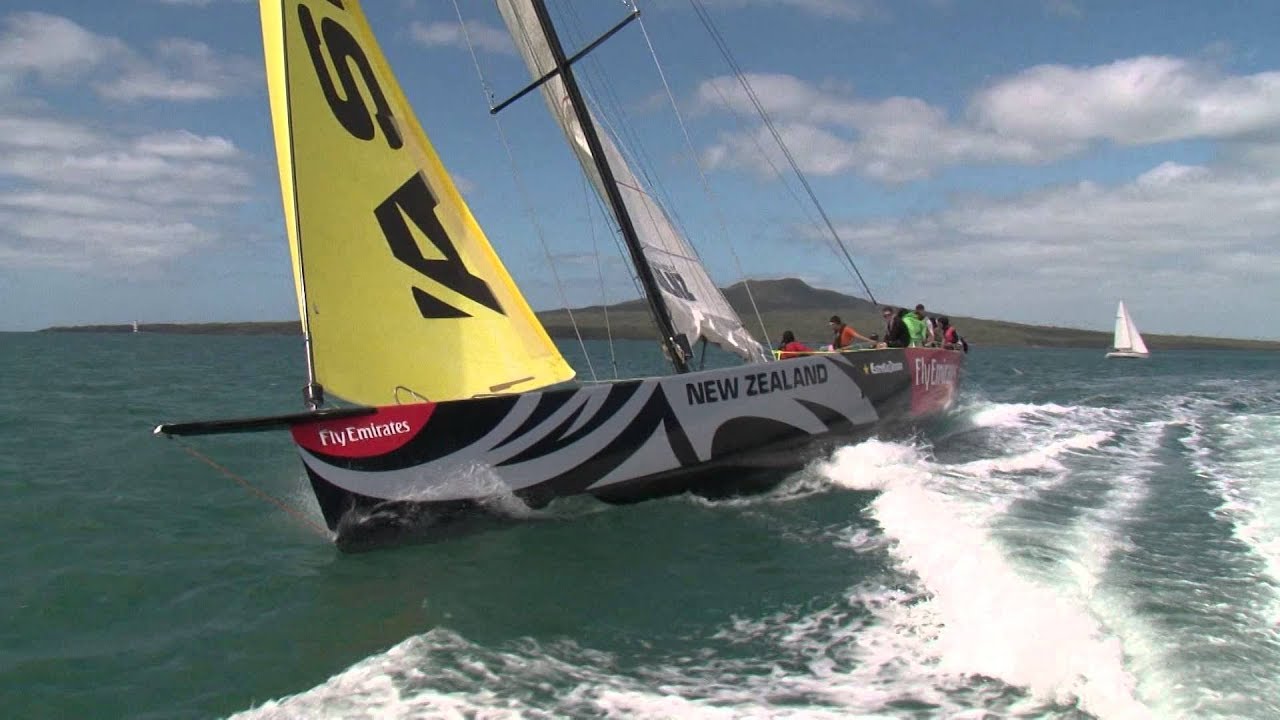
point(698, 308)
point(397, 285)
point(1121, 339)
point(1127, 335)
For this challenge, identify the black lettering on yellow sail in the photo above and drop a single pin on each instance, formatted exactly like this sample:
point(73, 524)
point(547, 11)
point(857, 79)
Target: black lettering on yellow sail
point(415, 201)
point(344, 51)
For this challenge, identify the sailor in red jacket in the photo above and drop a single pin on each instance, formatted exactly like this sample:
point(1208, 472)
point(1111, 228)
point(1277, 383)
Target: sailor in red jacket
point(791, 347)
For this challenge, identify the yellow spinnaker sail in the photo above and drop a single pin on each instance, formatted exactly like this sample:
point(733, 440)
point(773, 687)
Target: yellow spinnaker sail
point(397, 284)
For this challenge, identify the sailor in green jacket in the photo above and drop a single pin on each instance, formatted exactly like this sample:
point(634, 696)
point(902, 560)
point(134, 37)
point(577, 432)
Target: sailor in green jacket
point(916, 326)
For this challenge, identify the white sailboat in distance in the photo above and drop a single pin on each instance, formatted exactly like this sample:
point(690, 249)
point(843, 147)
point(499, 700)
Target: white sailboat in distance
point(1128, 341)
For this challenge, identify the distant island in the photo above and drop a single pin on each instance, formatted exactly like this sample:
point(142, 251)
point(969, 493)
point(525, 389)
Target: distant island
point(787, 304)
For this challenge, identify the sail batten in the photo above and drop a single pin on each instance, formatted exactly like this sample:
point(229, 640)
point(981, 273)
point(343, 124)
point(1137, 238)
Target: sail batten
point(695, 304)
point(401, 289)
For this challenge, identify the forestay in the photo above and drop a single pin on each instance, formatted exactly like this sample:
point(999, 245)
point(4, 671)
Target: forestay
point(697, 307)
point(397, 285)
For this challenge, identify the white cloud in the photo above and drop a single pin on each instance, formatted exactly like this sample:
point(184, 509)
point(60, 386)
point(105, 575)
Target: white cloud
point(196, 3)
point(484, 37)
point(1140, 100)
point(71, 242)
point(115, 205)
point(89, 200)
point(1036, 116)
point(55, 49)
point(83, 196)
point(1189, 235)
point(26, 132)
point(895, 140)
point(180, 70)
point(184, 144)
point(853, 10)
point(52, 47)
point(1063, 8)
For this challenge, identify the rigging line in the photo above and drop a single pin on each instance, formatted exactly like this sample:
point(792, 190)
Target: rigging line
point(606, 101)
point(641, 273)
point(604, 296)
point(707, 22)
point(764, 155)
point(706, 184)
point(624, 137)
point(631, 145)
point(616, 233)
point(262, 494)
point(524, 195)
point(736, 69)
point(669, 234)
point(611, 223)
point(658, 209)
point(832, 241)
point(635, 152)
point(795, 167)
point(675, 345)
point(626, 140)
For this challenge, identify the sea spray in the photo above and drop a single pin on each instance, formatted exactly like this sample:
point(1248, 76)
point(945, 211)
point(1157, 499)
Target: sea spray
point(990, 620)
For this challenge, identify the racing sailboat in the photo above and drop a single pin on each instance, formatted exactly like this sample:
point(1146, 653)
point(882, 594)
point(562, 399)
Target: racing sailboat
point(456, 399)
point(1128, 341)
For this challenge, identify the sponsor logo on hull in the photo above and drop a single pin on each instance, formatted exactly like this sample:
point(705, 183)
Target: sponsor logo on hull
point(935, 375)
point(880, 368)
point(377, 434)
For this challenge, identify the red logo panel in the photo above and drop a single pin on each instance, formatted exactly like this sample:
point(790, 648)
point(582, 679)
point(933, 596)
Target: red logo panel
point(935, 378)
point(367, 435)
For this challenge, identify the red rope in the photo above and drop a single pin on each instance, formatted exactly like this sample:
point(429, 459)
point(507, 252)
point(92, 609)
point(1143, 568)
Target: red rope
point(291, 511)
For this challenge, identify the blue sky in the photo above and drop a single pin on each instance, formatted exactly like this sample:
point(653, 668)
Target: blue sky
point(1027, 160)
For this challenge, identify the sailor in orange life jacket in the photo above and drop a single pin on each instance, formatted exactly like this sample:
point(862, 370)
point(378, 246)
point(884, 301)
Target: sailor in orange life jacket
point(791, 347)
point(843, 336)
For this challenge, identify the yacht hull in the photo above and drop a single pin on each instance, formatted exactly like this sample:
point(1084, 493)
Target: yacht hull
point(417, 471)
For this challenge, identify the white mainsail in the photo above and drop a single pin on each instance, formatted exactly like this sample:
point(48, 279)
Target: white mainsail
point(1127, 337)
point(697, 307)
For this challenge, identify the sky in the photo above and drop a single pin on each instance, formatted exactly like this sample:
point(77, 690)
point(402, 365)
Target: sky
point(1024, 160)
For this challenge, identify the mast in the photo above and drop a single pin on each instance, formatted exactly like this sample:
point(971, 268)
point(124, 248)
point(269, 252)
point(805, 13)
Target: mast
point(674, 350)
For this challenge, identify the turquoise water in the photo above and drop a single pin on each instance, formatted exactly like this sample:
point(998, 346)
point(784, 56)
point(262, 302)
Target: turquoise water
point(1079, 538)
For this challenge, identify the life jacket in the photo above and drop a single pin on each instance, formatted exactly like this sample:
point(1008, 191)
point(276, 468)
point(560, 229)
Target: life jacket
point(953, 337)
point(792, 349)
point(843, 338)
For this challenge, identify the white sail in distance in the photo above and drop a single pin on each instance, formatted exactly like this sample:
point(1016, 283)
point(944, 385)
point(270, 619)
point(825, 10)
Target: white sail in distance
point(697, 307)
point(1127, 336)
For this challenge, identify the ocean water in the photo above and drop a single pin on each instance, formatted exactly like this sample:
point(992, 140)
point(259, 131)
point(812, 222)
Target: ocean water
point(1078, 538)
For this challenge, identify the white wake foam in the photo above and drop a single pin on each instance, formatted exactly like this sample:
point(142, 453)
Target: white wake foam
point(989, 620)
point(958, 627)
point(1245, 466)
